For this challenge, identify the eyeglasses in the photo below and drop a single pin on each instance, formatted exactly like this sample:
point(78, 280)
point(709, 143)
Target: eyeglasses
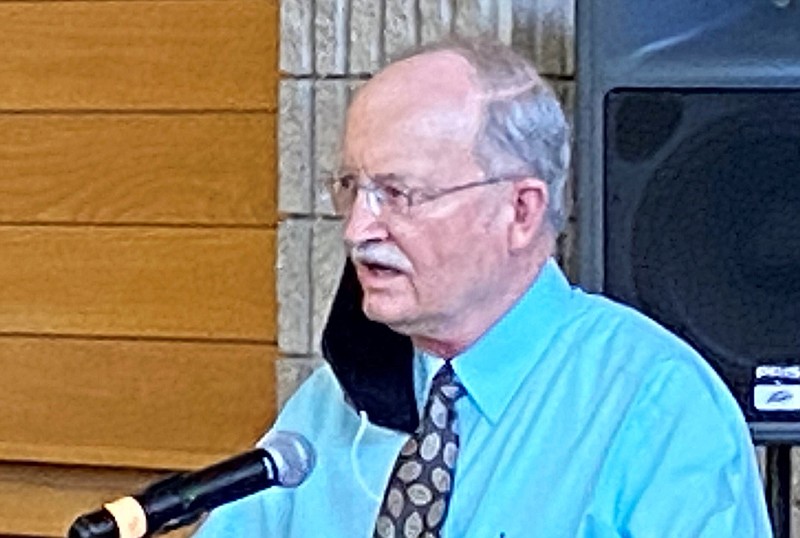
point(396, 198)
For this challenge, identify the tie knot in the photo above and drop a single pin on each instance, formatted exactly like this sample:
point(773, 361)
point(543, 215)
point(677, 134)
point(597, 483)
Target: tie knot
point(447, 384)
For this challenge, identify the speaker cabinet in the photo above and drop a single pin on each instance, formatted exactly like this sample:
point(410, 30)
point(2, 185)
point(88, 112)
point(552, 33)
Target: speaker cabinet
point(688, 183)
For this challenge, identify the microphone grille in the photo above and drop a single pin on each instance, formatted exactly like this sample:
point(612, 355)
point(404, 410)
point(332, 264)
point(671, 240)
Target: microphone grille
point(293, 454)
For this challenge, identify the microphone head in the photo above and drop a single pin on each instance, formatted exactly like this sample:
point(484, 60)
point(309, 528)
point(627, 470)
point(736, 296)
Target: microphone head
point(293, 454)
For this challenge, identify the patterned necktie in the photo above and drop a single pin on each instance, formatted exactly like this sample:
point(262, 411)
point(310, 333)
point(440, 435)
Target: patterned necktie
point(417, 497)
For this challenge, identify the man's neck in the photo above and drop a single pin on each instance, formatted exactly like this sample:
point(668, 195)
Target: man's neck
point(438, 348)
point(447, 342)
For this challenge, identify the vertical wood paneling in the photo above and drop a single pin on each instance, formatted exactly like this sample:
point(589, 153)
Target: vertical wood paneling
point(43, 500)
point(137, 248)
point(193, 168)
point(172, 405)
point(146, 55)
point(134, 282)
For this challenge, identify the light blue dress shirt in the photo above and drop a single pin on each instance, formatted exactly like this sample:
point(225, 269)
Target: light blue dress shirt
point(583, 419)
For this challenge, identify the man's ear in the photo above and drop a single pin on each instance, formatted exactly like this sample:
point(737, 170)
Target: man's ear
point(530, 208)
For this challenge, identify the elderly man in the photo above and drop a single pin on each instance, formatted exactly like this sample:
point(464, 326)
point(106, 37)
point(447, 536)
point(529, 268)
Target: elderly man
point(502, 402)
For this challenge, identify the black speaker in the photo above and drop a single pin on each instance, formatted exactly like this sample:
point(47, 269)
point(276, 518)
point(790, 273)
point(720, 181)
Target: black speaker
point(688, 182)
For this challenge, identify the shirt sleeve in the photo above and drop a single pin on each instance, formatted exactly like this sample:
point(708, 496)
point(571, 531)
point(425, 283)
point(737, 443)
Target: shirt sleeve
point(251, 516)
point(270, 512)
point(684, 463)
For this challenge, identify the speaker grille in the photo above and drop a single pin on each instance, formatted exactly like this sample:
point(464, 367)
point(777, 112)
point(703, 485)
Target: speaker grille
point(703, 220)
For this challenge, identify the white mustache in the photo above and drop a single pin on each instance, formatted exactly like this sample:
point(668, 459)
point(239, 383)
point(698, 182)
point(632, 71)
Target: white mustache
point(380, 254)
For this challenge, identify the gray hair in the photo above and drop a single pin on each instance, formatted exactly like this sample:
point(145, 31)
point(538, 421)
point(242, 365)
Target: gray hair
point(523, 127)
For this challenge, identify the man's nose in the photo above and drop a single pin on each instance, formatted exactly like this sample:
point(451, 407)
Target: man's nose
point(362, 224)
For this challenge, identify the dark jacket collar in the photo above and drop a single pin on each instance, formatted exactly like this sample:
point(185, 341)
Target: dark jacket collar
point(373, 364)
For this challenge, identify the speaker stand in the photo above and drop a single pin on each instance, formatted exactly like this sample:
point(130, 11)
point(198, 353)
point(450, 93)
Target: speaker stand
point(778, 487)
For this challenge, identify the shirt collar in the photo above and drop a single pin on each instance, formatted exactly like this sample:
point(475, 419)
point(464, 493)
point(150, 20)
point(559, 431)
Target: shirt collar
point(493, 368)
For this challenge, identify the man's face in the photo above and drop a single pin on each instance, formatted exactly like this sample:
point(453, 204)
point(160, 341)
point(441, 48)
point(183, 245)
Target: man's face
point(415, 125)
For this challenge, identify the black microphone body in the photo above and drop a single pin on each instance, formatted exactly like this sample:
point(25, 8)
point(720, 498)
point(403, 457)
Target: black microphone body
point(182, 498)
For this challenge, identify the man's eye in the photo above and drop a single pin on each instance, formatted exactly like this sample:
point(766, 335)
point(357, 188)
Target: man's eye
point(393, 192)
point(347, 182)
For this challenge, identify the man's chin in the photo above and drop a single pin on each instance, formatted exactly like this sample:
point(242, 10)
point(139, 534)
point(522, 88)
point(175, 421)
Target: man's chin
point(381, 315)
point(389, 315)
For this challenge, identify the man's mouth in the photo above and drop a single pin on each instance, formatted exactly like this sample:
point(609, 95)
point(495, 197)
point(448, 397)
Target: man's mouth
point(380, 270)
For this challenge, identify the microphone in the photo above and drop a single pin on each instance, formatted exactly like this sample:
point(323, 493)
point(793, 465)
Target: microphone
point(284, 459)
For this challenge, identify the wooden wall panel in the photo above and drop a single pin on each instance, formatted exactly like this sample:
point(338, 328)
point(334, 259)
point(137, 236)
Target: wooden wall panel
point(139, 55)
point(215, 168)
point(137, 245)
point(132, 403)
point(43, 500)
point(144, 282)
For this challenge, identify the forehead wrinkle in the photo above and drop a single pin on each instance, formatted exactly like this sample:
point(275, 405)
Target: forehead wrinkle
point(445, 118)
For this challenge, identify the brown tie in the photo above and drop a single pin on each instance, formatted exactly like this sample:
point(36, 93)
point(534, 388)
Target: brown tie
point(418, 494)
